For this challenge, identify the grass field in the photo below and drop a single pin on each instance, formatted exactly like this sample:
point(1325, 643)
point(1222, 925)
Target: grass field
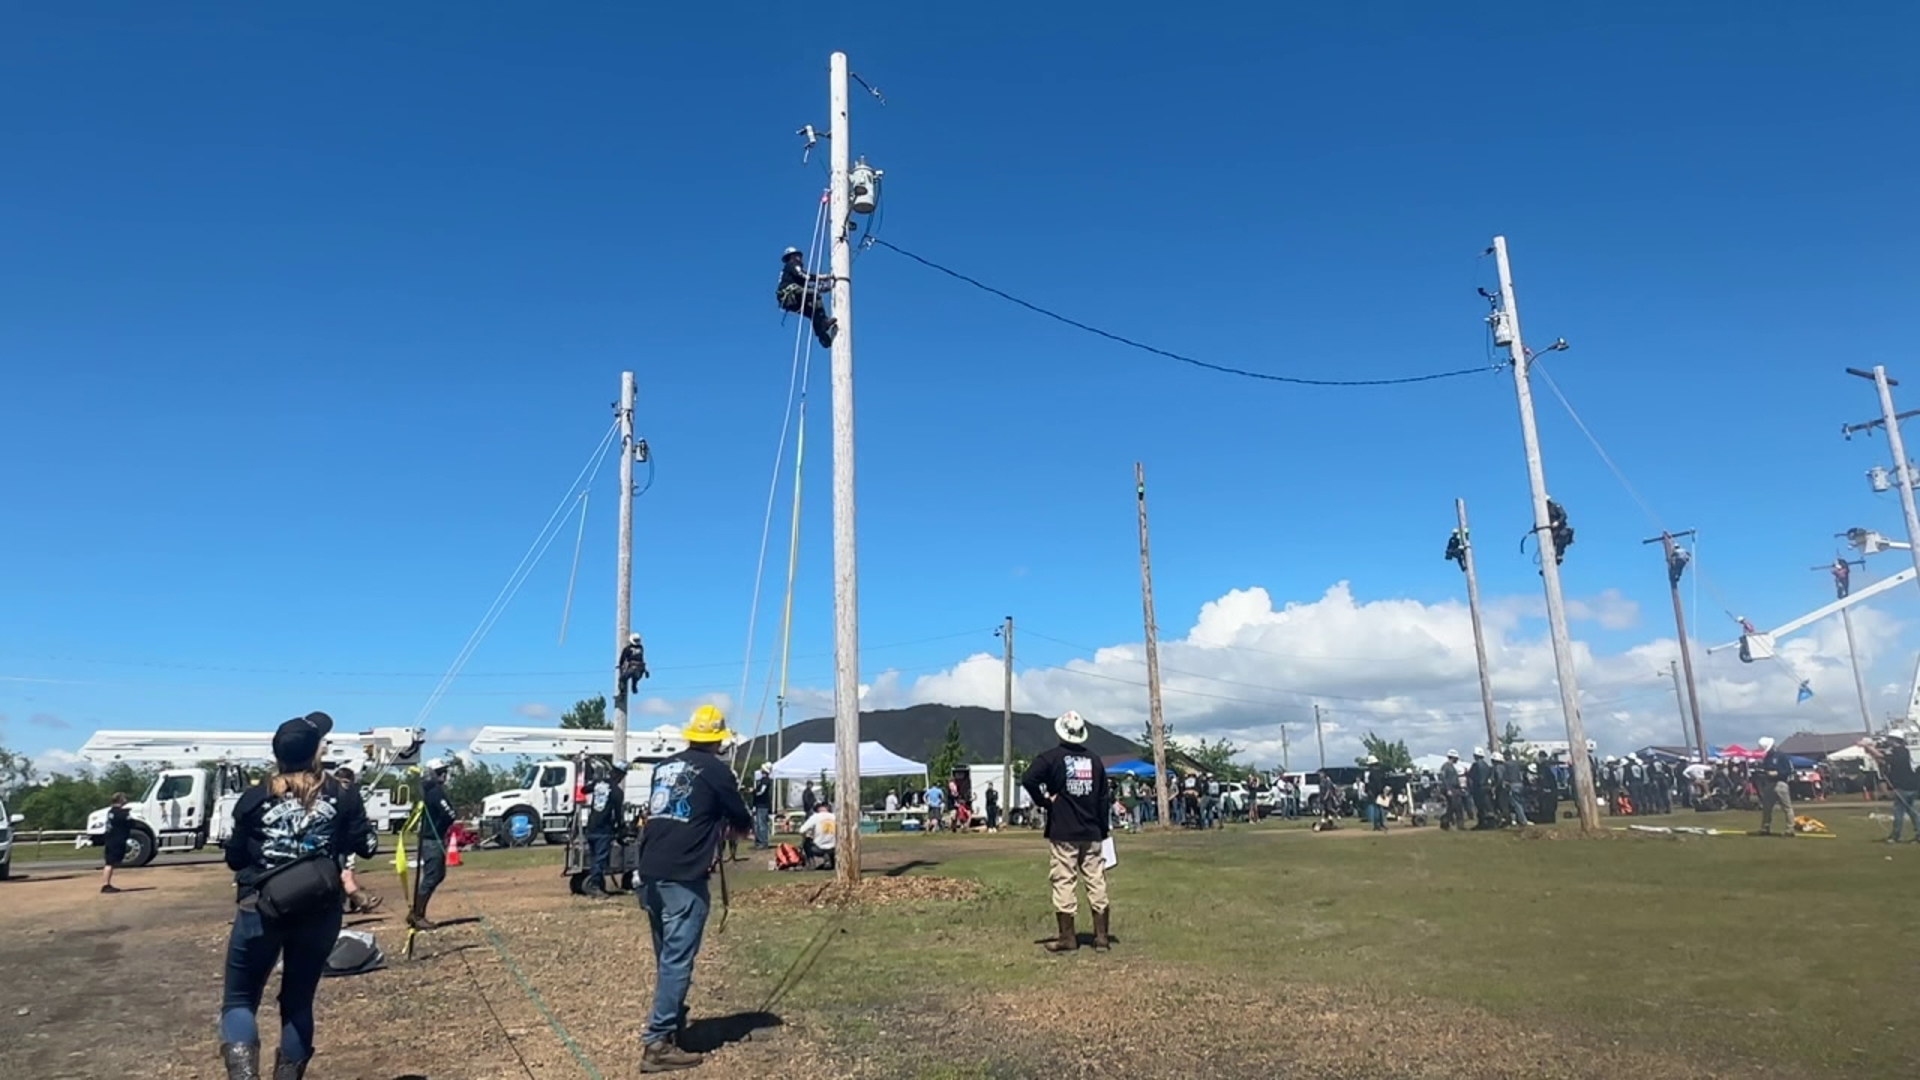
point(1265, 951)
point(1719, 951)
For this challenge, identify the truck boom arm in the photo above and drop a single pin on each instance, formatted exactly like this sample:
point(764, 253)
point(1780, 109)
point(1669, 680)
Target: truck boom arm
point(662, 742)
point(1760, 646)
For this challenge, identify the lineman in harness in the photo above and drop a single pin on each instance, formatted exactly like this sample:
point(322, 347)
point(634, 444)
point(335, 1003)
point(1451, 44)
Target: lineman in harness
point(800, 293)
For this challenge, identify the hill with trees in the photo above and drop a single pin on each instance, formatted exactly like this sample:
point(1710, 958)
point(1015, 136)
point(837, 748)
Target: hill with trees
point(919, 732)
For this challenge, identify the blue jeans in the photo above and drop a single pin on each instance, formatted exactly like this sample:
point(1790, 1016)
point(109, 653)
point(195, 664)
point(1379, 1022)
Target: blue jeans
point(252, 947)
point(1517, 803)
point(1377, 814)
point(1904, 809)
point(600, 850)
point(762, 827)
point(677, 914)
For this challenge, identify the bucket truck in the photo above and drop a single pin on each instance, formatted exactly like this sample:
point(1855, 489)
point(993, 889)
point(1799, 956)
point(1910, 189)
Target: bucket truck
point(186, 808)
point(1755, 645)
point(551, 784)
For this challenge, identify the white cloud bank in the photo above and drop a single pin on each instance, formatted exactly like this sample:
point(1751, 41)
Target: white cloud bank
point(1406, 670)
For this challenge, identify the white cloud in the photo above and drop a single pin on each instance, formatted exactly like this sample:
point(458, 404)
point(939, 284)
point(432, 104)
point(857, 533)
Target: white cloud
point(48, 762)
point(534, 710)
point(1406, 669)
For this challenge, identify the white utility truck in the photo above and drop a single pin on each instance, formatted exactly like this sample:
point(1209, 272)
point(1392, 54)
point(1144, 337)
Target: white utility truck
point(186, 808)
point(549, 791)
point(7, 822)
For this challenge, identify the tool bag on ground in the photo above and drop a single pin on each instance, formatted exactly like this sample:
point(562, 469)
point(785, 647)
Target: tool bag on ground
point(355, 952)
point(787, 857)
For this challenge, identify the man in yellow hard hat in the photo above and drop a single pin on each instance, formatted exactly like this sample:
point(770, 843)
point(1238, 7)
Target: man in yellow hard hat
point(693, 806)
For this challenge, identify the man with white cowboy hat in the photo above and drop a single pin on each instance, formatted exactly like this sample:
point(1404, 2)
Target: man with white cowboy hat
point(1071, 783)
point(1776, 774)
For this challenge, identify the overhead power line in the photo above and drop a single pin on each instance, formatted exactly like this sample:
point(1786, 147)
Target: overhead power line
point(1223, 369)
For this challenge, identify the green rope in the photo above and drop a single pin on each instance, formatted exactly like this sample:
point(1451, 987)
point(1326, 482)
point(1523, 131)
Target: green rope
point(526, 985)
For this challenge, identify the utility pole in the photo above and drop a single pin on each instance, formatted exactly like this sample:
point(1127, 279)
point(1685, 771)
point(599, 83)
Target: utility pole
point(1286, 764)
point(1007, 799)
point(1462, 543)
point(1904, 472)
point(1842, 585)
point(846, 609)
point(1679, 699)
point(623, 601)
point(1506, 323)
point(1156, 719)
point(1319, 738)
point(1677, 560)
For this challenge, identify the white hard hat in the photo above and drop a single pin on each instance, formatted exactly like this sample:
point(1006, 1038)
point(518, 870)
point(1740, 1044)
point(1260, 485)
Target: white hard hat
point(439, 764)
point(789, 253)
point(1896, 733)
point(1479, 751)
point(1371, 760)
point(1766, 742)
point(633, 639)
point(1498, 756)
point(1453, 753)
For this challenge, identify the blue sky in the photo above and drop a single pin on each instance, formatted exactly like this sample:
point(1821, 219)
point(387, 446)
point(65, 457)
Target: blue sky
point(311, 315)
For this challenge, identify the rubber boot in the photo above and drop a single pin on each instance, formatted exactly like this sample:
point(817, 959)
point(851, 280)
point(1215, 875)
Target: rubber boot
point(1069, 938)
point(288, 1070)
point(242, 1060)
point(1100, 942)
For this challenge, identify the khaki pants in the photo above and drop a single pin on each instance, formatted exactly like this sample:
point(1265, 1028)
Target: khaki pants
point(1077, 860)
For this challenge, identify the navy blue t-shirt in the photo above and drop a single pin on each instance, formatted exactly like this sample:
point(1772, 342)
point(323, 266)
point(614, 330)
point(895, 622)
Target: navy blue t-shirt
point(694, 798)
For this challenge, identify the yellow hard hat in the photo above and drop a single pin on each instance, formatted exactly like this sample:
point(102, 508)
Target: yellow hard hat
point(707, 726)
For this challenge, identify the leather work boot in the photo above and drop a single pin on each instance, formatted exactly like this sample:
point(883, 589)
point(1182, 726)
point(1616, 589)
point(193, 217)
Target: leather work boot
point(418, 920)
point(663, 1056)
point(242, 1060)
point(1069, 938)
point(288, 1070)
point(1100, 942)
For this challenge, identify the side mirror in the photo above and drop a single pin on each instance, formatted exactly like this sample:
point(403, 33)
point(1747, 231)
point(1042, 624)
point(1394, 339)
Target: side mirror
point(16, 819)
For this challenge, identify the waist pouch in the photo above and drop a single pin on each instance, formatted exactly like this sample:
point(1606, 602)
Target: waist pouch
point(307, 884)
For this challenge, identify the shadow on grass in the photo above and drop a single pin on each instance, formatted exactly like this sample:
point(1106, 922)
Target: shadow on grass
point(912, 865)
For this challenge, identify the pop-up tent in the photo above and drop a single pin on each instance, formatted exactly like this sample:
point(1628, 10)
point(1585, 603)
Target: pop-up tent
point(1133, 767)
point(810, 760)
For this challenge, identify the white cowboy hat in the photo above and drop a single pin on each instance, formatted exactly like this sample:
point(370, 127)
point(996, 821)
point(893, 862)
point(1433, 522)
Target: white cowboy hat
point(1070, 727)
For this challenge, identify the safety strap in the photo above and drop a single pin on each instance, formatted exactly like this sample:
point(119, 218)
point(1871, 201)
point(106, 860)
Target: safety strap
point(726, 898)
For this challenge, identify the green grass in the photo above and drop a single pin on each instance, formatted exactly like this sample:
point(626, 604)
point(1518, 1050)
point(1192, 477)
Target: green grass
point(1734, 948)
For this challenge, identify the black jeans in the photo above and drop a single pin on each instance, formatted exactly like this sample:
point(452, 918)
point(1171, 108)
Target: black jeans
point(433, 871)
point(252, 947)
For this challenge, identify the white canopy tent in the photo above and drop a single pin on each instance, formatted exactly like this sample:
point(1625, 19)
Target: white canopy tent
point(809, 761)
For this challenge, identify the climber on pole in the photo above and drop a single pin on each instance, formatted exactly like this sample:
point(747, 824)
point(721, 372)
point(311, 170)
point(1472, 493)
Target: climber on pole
point(801, 294)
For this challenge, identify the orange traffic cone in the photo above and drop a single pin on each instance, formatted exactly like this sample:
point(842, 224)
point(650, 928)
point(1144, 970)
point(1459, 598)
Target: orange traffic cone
point(453, 850)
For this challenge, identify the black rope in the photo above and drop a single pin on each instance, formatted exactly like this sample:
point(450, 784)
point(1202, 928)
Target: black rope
point(1142, 346)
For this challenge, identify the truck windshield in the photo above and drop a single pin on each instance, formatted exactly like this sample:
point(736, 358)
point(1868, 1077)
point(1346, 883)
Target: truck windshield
point(531, 777)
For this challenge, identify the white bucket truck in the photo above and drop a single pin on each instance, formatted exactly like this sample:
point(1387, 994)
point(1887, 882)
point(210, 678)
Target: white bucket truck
point(550, 785)
point(186, 808)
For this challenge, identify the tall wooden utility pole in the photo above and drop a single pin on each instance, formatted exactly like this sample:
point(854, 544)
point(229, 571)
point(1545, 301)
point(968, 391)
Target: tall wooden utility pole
point(846, 577)
point(1842, 585)
point(623, 602)
point(1679, 699)
point(1506, 331)
point(1286, 763)
point(1676, 566)
point(1902, 471)
point(1007, 799)
point(1465, 542)
point(1155, 719)
point(1320, 739)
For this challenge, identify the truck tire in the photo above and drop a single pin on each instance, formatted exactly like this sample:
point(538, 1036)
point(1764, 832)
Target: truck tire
point(520, 826)
point(6, 868)
point(141, 848)
point(577, 883)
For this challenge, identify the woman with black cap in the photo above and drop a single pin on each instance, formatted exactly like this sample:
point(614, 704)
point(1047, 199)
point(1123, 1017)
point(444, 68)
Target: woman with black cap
point(290, 834)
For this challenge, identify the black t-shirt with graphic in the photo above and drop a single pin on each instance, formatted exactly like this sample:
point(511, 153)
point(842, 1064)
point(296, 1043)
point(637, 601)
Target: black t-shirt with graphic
point(694, 798)
point(1075, 774)
point(270, 831)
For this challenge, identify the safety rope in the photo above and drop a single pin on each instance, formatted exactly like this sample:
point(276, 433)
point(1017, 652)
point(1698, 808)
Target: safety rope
point(802, 361)
point(541, 542)
point(573, 575)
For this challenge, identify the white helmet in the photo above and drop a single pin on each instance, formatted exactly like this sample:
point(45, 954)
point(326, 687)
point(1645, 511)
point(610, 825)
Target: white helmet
point(633, 639)
point(438, 765)
point(789, 253)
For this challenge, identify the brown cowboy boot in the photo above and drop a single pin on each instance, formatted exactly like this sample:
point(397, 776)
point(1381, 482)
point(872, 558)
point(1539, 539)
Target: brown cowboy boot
point(1100, 942)
point(1069, 939)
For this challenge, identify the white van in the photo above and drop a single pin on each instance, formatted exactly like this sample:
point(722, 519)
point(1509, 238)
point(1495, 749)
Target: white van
point(7, 822)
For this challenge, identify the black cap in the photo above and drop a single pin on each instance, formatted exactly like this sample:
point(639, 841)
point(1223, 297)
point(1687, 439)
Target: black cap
point(297, 742)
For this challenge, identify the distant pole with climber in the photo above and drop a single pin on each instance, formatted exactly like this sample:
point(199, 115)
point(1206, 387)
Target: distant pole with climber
point(1842, 570)
point(1902, 469)
point(1007, 790)
point(846, 586)
point(1320, 739)
point(623, 574)
point(1460, 550)
point(1506, 331)
point(1677, 560)
point(1155, 718)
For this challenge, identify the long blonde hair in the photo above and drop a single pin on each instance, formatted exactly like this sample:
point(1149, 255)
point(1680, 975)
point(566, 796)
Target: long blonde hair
point(304, 784)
